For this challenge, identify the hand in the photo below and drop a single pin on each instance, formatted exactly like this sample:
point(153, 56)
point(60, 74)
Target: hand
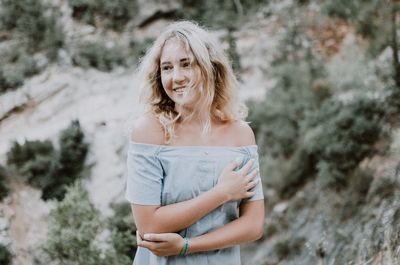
point(165, 244)
point(236, 184)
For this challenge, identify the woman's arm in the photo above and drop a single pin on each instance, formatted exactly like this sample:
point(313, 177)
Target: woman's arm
point(232, 185)
point(248, 227)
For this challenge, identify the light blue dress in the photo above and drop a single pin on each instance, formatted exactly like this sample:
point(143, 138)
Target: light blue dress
point(162, 175)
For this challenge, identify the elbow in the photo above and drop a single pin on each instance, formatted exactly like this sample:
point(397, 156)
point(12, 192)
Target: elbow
point(149, 228)
point(258, 232)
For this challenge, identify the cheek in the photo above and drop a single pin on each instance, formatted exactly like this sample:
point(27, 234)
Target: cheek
point(165, 81)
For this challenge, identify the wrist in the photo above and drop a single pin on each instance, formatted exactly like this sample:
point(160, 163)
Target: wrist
point(222, 195)
point(185, 247)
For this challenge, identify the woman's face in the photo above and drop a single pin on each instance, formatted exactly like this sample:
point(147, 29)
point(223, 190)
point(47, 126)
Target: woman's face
point(178, 71)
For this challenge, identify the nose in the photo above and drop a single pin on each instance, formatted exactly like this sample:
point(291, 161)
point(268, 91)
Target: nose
point(178, 75)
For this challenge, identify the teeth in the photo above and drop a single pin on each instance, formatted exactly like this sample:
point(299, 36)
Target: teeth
point(178, 89)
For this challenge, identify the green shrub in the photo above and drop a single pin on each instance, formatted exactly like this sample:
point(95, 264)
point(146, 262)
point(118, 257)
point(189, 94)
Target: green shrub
point(219, 14)
point(113, 14)
point(16, 67)
point(97, 55)
point(369, 18)
point(123, 232)
point(74, 229)
point(285, 175)
point(5, 255)
point(68, 163)
point(39, 164)
point(84, 10)
point(36, 24)
point(73, 226)
point(35, 28)
point(4, 189)
point(19, 155)
point(276, 121)
point(340, 135)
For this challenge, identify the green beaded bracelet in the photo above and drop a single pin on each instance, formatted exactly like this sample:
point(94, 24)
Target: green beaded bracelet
point(185, 248)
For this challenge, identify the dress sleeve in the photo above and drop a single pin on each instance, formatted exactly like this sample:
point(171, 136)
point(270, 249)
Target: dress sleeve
point(258, 189)
point(145, 175)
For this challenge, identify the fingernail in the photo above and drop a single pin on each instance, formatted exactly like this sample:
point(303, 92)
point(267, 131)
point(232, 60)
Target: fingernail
point(146, 236)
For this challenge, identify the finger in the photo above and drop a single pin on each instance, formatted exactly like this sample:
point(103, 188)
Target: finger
point(249, 194)
point(156, 237)
point(138, 237)
point(233, 165)
point(147, 244)
point(245, 169)
point(253, 174)
point(252, 184)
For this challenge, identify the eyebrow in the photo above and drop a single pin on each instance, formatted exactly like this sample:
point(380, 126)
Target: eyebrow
point(181, 60)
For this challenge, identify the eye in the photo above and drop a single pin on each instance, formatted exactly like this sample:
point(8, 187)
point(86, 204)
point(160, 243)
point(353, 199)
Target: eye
point(166, 68)
point(186, 64)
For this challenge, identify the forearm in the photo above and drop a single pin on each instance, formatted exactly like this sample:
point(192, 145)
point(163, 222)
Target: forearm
point(236, 232)
point(178, 216)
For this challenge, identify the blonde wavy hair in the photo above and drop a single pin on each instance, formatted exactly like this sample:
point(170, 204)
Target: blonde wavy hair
point(218, 96)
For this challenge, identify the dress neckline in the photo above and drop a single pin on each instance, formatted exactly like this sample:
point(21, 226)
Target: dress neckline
point(194, 146)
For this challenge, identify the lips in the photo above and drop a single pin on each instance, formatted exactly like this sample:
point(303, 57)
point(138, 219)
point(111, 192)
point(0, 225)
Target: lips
point(179, 90)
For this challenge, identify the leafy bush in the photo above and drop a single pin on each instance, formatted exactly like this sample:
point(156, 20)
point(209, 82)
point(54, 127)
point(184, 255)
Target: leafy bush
point(98, 55)
point(219, 14)
point(285, 175)
point(340, 135)
point(114, 14)
point(36, 25)
point(370, 19)
point(68, 163)
point(30, 151)
point(75, 229)
point(5, 255)
point(73, 226)
point(39, 164)
point(276, 121)
point(37, 29)
point(3, 183)
point(123, 231)
point(17, 66)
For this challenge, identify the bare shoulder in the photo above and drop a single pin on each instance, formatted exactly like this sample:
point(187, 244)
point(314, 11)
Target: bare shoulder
point(148, 130)
point(242, 133)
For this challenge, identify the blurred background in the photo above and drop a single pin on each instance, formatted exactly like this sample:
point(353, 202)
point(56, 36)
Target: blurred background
point(321, 79)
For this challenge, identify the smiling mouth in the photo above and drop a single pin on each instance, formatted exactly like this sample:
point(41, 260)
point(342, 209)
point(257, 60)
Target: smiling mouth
point(178, 89)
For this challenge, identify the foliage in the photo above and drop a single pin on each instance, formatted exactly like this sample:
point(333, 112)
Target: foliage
point(114, 14)
point(219, 14)
point(98, 55)
point(39, 164)
point(277, 120)
point(76, 228)
point(4, 189)
point(37, 29)
point(16, 66)
point(123, 231)
point(31, 160)
point(5, 255)
point(285, 175)
point(339, 135)
point(73, 226)
point(370, 19)
point(68, 163)
point(35, 23)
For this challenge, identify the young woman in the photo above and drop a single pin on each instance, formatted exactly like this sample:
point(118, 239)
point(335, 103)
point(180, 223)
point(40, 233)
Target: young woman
point(193, 179)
